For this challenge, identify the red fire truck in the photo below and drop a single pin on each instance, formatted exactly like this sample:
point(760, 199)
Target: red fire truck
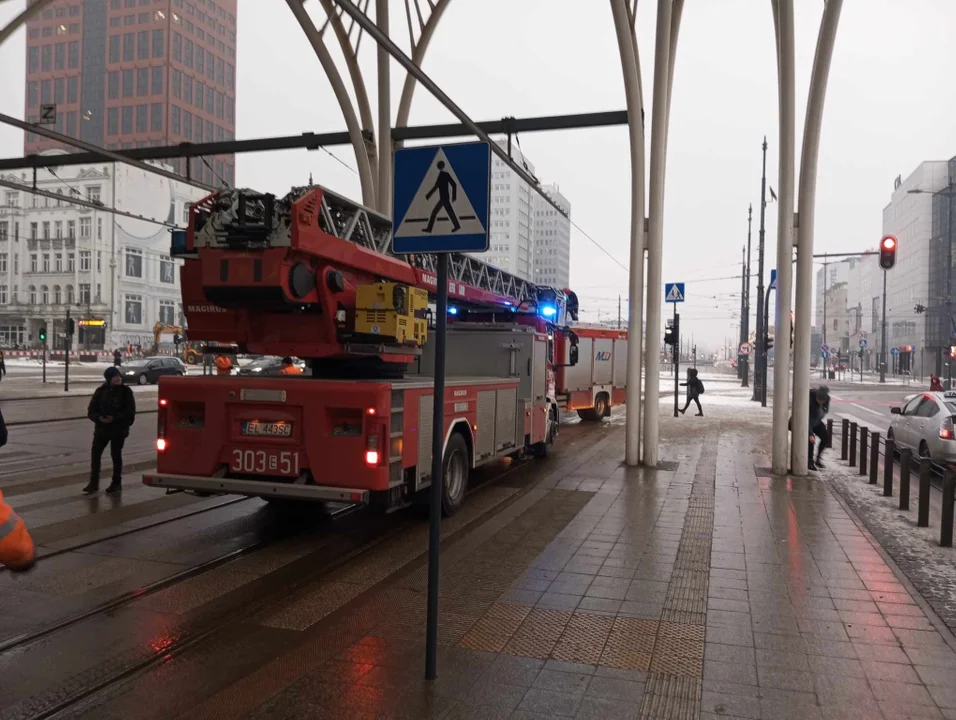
point(597, 381)
point(312, 275)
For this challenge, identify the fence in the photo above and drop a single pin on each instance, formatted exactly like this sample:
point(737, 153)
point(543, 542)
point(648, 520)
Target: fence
point(872, 447)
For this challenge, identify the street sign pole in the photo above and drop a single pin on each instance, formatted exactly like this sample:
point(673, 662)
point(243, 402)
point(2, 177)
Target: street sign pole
point(44, 360)
point(69, 345)
point(676, 352)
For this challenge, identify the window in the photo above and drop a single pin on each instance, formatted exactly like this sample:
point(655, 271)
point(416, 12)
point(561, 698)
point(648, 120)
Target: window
point(85, 260)
point(156, 117)
point(46, 262)
point(58, 228)
point(200, 60)
point(33, 59)
point(46, 91)
point(127, 119)
point(33, 295)
point(158, 80)
point(167, 272)
point(188, 90)
point(59, 91)
point(59, 263)
point(99, 261)
point(45, 295)
point(93, 193)
point(127, 83)
point(129, 47)
point(141, 118)
point(46, 228)
point(143, 45)
point(210, 103)
point(86, 229)
point(74, 55)
point(57, 296)
point(69, 294)
point(99, 234)
point(167, 312)
point(159, 44)
point(200, 94)
point(134, 263)
point(34, 266)
point(71, 262)
point(219, 109)
point(3, 294)
point(3, 262)
point(176, 79)
point(47, 58)
point(134, 309)
point(60, 56)
point(185, 213)
point(33, 94)
point(72, 89)
point(71, 230)
point(112, 121)
point(142, 82)
point(188, 53)
point(84, 294)
point(177, 47)
point(174, 120)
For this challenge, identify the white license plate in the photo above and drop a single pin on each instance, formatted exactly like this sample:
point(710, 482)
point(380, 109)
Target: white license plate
point(265, 462)
point(255, 428)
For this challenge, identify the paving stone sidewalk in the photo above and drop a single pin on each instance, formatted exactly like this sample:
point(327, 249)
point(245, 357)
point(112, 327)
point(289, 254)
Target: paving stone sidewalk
point(703, 589)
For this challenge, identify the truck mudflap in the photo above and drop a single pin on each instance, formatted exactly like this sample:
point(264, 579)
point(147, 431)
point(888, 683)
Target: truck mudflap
point(258, 488)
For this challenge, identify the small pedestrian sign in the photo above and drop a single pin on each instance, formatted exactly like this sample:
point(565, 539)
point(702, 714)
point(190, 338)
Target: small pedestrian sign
point(862, 343)
point(674, 292)
point(894, 351)
point(773, 280)
point(47, 114)
point(825, 349)
point(441, 198)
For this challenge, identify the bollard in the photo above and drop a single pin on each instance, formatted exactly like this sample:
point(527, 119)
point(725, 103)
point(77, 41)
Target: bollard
point(844, 431)
point(946, 513)
point(852, 444)
point(864, 436)
point(874, 457)
point(906, 457)
point(889, 457)
point(829, 433)
point(925, 468)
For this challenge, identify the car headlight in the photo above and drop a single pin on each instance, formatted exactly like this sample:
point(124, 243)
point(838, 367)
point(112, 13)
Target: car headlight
point(130, 372)
point(256, 369)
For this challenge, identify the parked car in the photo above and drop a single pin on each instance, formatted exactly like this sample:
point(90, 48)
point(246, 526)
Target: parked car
point(925, 424)
point(265, 365)
point(149, 370)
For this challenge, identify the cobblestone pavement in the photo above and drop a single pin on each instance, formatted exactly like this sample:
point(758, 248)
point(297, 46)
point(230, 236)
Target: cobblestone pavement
point(703, 589)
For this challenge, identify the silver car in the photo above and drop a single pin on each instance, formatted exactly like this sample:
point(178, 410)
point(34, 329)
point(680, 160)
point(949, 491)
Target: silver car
point(925, 424)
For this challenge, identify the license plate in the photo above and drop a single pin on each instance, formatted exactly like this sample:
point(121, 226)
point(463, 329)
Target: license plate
point(265, 462)
point(256, 428)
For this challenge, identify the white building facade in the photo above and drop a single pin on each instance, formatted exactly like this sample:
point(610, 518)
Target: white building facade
point(112, 273)
point(552, 240)
point(511, 217)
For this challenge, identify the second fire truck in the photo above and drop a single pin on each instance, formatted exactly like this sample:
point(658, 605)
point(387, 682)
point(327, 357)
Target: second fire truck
point(312, 275)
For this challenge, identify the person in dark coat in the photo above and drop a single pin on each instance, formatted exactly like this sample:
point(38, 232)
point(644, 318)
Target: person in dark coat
point(695, 389)
point(819, 407)
point(112, 410)
point(117, 358)
point(3, 366)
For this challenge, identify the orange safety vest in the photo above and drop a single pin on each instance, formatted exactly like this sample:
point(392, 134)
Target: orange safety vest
point(290, 370)
point(223, 365)
point(17, 550)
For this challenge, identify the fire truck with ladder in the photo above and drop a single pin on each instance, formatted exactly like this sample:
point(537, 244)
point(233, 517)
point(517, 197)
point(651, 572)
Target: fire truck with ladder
point(313, 275)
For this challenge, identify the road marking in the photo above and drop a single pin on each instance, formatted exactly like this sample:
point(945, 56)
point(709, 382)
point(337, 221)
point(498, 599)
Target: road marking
point(874, 412)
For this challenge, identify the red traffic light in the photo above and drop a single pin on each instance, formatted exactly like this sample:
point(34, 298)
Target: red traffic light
point(888, 247)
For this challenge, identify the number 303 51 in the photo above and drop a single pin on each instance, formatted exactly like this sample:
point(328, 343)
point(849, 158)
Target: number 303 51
point(262, 462)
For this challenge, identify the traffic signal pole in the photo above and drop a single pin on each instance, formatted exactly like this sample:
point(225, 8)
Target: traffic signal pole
point(676, 350)
point(69, 344)
point(883, 334)
point(759, 357)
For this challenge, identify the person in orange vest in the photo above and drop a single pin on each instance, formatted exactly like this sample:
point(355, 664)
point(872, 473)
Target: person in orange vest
point(223, 365)
point(17, 550)
point(289, 367)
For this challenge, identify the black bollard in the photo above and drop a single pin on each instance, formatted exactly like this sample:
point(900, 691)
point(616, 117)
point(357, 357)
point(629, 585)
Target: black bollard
point(925, 468)
point(852, 444)
point(829, 433)
point(906, 457)
point(874, 457)
point(864, 436)
point(889, 456)
point(946, 512)
point(844, 431)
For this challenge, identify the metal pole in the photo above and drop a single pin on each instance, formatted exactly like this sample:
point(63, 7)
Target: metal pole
point(844, 432)
point(946, 512)
point(743, 314)
point(766, 353)
point(745, 333)
point(435, 493)
point(780, 454)
point(825, 278)
point(655, 235)
point(69, 344)
point(809, 157)
point(864, 438)
point(853, 435)
point(760, 350)
point(630, 67)
point(922, 503)
point(384, 190)
point(889, 455)
point(874, 457)
point(44, 359)
point(883, 334)
point(676, 351)
point(906, 458)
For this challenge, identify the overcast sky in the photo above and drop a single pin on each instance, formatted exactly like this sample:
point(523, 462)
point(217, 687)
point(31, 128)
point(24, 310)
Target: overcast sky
point(890, 105)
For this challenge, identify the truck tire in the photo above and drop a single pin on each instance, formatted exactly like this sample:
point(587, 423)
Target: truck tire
point(543, 448)
point(598, 412)
point(455, 467)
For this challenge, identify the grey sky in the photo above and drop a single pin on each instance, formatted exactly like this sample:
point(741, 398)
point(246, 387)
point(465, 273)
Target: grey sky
point(888, 108)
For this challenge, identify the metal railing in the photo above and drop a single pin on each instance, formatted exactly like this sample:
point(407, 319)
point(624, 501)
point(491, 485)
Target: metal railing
point(863, 448)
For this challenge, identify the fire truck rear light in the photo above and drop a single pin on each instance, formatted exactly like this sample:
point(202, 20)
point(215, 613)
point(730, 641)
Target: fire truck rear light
point(370, 411)
point(163, 402)
point(161, 444)
point(371, 457)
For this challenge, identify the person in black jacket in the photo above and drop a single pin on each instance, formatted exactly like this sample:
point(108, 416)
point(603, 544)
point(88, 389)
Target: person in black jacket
point(112, 410)
point(695, 389)
point(819, 407)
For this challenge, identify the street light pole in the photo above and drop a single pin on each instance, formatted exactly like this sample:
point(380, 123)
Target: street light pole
point(745, 321)
point(759, 375)
point(883, 334)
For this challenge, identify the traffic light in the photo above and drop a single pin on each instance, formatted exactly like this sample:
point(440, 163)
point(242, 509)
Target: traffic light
point(952, 350)
point(888, 252)
point(769, 346)
point(672, 332)
point(43, 333)
point(71, 327)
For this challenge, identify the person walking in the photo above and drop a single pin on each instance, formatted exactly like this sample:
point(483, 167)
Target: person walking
point(223, 365)
point(113, 411)
point(3, 366)
point(117, 358)
point(17, 551)
point(819, 407)
point(695, 388)
point(934, 384)
point(289, 367)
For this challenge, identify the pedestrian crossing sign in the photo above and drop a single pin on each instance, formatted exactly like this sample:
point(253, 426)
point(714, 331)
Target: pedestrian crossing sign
point(441, 198)
point(674, 292)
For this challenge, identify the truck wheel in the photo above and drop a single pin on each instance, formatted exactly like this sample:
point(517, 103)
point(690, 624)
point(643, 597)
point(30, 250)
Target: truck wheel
point(601, 406)
point(543, 448)
point(191, 359)
point(454, 475)
point(589, 415)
